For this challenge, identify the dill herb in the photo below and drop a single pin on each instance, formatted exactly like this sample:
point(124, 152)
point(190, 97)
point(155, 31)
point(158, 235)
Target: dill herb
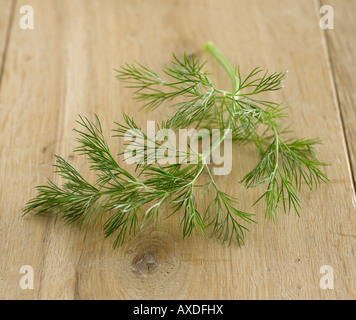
point(133, 202)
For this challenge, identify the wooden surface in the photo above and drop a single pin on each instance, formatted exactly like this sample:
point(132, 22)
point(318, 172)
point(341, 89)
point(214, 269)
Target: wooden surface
point(341, 47)
point(65, 66)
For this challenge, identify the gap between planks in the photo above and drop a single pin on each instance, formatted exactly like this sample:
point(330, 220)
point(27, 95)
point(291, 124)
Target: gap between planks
point(330, 66)
point(7, 39)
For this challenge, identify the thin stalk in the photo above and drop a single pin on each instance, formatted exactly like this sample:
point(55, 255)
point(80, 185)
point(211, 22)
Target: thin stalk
point(216, 53)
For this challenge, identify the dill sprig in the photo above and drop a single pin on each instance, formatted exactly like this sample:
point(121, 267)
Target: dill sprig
point(128, 202)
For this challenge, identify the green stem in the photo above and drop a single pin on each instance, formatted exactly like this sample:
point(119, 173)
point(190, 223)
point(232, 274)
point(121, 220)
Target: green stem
point(216, 53)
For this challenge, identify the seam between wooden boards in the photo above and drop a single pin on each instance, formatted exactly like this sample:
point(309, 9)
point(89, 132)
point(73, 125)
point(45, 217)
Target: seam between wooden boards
point(340, 116)
point(7, 40)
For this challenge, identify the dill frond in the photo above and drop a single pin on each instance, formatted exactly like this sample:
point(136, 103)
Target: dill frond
point(133, 201)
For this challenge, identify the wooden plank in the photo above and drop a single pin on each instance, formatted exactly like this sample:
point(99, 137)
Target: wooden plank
point(30, 102)
point(341, 46)
point(64, 67)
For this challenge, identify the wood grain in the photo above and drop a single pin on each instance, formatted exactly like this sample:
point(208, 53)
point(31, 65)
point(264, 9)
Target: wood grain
point(341, 45)
point(65, 66)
